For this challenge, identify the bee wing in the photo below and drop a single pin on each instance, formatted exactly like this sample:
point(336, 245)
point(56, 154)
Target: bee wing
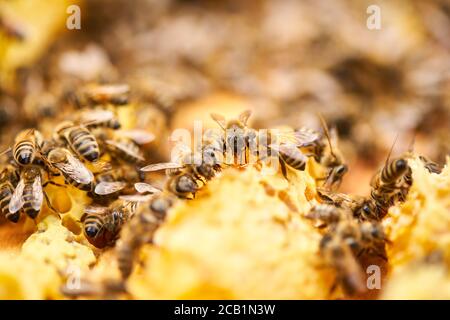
point(162, 166)
point(101, 166)
point(105, 188)
point(124, 148)
point(6, 151)
point(38, 194)
point(96, 116)
point(138, 136)
point(16, 202)
point(76, 170)
point(95, 210)
point(145, 187)
point(244, 116)
point(221, 121)
point(136, 198)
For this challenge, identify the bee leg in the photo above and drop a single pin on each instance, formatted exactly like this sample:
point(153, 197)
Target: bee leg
point(49, 205)
point(283, 170)
point(360, 253)
point(334, 286)
point(53, 183)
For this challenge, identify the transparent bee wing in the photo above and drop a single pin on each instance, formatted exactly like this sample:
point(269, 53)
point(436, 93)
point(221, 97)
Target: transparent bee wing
point(95, 210)
point(244, 116)
point(138, 136)
point(101, 166)
point(38, 194)
point(162, 166)
point(305, 137)
point(145, 187)
point(292, 150)
point(122, 146)
point(105, 188)
point(5, 151)
point(220, 120)
point(16, 202)
point(76, 170)
point(137, 198)
point(92, 117)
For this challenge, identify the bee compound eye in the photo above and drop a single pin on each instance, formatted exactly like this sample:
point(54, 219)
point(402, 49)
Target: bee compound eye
point(400, 164)
point(91, 231)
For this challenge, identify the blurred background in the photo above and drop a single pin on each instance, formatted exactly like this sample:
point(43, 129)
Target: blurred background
point(285, 60)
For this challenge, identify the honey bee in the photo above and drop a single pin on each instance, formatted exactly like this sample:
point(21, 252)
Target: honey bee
point(338, 255)
point(9, 178)
point(431, 166)
point(29, 193)
point(79, 139)
point(116, 94)
point(237, 136)
point(26, 147)
point(195, 166)
point(332, 159)
point(361, 207)
point(73, 170)
point(140, 230)
point(39, 106)
point(327, 215)
point(387, 184)
point(290, 155)
point(102, 224)
point(373, 239)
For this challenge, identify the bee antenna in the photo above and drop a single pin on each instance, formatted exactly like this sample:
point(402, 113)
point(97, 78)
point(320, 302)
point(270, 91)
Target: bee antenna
point(411, 144)
point(327, 133)
point(392, 148)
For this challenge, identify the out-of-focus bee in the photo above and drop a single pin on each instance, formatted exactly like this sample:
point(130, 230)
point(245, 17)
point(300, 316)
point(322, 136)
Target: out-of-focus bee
point(29, 193)
point(79, 139)
point(431, 166)
point(102, 224)
point(116, 94)
point(39, 106)
point(237, 137)
point(9, 178)
point(12, 29)
point(73, 170)
point(103, 289)
point(327, 215)
point(99, 118)
point(338, 255)
point(125, 150)
point(140, 230)
point(26, 147)
point(373, 238)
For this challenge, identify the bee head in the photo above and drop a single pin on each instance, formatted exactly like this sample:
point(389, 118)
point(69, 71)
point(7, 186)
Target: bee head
point(401, 165)
point(186, 184)
point(57, 155)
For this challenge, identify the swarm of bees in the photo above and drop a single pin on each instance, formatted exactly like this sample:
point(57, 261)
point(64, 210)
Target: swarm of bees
point(75, 154)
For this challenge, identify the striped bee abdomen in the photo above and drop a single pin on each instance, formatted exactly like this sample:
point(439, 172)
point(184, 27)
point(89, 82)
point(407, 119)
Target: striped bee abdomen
point(394, 170)
point(84, 143)
point(24, 152)
point(6, 193)
point(28, 198)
